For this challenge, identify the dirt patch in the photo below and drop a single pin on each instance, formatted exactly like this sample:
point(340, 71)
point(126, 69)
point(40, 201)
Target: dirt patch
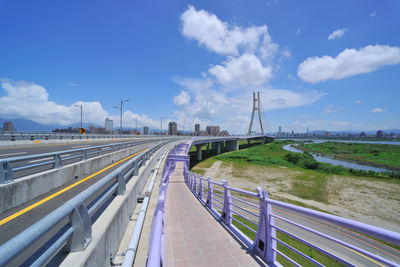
point(366, 200)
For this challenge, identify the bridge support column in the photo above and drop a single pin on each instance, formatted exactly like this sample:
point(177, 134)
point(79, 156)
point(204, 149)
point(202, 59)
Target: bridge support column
point(232, 145)
point(198, 153)
point(214, 147)
point(208, 148)
point(219, 144)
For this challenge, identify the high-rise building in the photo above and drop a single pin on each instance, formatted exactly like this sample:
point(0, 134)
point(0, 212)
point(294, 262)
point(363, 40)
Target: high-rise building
point(92, 129)
point(280, 131)
point(8, 126)
point(172, 128)
point(197, 129)
point(109, 125)
point(145, 130)
point(212, 130)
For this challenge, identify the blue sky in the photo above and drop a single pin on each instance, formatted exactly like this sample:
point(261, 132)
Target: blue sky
point(323, 65)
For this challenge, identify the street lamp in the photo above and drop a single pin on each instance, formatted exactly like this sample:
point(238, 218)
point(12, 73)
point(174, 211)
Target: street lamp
point(120, 108)
point(81, 113)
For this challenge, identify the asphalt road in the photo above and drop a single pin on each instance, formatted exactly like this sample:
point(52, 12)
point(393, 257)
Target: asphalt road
point(338, 232)
point(11, 227)
point(47, 163)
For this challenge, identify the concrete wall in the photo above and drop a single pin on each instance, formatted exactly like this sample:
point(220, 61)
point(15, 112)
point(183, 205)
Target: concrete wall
point(24, 189)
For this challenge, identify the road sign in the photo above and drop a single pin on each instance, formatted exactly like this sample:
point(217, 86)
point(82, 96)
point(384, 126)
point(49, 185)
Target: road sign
point(82, 130)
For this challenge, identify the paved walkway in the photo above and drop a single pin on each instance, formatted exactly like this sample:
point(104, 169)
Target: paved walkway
point(193, 236)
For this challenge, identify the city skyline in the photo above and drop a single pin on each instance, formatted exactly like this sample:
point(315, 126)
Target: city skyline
point(200, 62)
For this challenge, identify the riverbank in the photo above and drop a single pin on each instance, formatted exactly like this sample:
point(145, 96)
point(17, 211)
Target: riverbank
point(378, 155)
point(289, 178)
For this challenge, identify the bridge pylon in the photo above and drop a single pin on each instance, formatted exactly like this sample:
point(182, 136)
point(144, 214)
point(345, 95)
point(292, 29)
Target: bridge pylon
point(256, 107)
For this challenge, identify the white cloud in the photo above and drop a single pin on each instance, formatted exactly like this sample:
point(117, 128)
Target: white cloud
point(31, 101)
point(182, 99)
point(358, 101)
point(211, 105)
point(220, 37)
point(337, 34)
point(377, 110)
point(286, 53)
point(246, 70)
point(74, 84)
point(348, 63)
point(373, 14)
point(331, 109)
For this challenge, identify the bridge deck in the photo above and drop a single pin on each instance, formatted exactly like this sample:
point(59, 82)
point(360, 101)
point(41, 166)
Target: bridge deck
point(193, 236)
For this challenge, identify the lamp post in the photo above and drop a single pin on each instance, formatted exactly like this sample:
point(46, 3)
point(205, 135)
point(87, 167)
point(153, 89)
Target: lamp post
point(120, 121)
point(81, 114)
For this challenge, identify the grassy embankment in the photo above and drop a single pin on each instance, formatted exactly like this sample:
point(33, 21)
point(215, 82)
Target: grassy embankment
point(379, 155)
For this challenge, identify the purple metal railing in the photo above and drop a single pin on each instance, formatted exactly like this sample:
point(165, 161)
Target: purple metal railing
point(253, 211)
point(245, 208)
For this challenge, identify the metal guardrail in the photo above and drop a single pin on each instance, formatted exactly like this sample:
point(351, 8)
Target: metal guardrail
point(253, 211)
point(231, 208)
point(57, 159)
point(65, 136)
point(77, 234)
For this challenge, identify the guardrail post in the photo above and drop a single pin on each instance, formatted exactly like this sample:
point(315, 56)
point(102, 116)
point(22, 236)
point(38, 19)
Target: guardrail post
point(194, 184)
point(210, 193)
point(84, 154)
point(57, 161)
point(121, 184)
point(264, 242)
point(82, 234)
point(226, 213)
point(135, 168)
point(201, 189)
point(6, 173)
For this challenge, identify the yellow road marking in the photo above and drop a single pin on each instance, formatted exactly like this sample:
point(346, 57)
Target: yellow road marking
point(19, 213)
point(359, 254)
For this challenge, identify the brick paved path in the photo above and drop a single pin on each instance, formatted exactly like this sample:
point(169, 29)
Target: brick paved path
point(193, 236)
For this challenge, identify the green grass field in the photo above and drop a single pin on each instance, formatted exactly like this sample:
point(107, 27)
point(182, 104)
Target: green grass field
point(385, 156)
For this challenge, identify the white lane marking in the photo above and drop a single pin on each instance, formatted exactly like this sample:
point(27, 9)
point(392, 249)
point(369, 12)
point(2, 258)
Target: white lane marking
point(37, 160)
point(80, 146)
point(11, 154)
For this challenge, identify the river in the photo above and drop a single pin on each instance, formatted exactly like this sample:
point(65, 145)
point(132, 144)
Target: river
point(336, 162)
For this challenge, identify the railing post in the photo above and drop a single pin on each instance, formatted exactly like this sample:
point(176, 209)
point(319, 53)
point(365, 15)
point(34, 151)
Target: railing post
point(264, 242)
point(57, 161)
point(201, 189)
point(226, 213)
point(84, 154)
point(121, 184)
point(195, 184)
point(6, 173)
point(136, 167)
point(210, 193)
point(82, 234)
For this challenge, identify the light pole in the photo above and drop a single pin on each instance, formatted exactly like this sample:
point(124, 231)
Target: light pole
point(120, 121)
point(81, 114)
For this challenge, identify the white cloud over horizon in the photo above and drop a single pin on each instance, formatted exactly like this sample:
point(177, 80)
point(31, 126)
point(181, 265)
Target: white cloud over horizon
point(31, 101)
point(337, 34)
point(348, 63)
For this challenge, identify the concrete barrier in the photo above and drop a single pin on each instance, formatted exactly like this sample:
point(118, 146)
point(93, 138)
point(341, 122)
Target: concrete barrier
point(25, 189)
point(109, 228)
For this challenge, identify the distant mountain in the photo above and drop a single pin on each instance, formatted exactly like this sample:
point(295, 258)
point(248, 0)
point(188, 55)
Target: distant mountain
point(319, 132)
